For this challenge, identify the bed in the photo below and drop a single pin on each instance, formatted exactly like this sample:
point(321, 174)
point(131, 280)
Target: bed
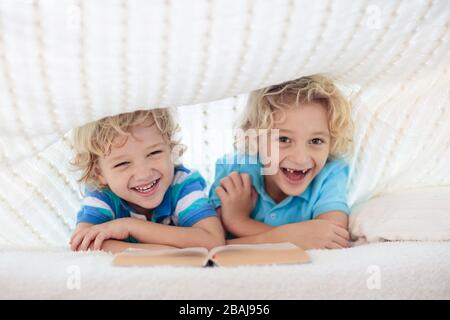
point(388, 270)
point(64, 63)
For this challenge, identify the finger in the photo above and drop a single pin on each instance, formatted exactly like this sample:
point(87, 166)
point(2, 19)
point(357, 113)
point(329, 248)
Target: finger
point(98, 242)
point(75, 234)
point(341, 241)
point(76, 241)
point(221, 193)
point(87, 241)
point(236, 178)
point(227, 184)
point(71, 238)
point(342, 232)
point(91, 246)
point(333, 245)
point(344, 244)
point(246, 181)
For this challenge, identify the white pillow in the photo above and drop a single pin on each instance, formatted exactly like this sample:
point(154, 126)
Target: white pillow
point(415, 214)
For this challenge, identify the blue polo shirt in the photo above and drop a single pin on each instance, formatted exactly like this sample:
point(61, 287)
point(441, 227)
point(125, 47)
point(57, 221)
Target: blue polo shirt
point(326, 192)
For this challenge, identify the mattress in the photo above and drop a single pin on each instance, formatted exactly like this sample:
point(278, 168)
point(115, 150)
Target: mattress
point(385, 270)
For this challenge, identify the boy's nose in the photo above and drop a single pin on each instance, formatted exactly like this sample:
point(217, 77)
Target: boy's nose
point(143, 172)
point(301, 156)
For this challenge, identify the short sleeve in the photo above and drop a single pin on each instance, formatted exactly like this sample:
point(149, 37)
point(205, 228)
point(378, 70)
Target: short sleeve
point(192, 203)
point(95, 208)
point(333, 191)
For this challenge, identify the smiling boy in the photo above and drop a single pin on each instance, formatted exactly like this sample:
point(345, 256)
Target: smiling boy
point(136, 193)
point(307, 127)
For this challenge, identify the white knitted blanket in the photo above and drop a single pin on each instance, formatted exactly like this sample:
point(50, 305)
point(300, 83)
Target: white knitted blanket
point(390, 270)
point(63, 63)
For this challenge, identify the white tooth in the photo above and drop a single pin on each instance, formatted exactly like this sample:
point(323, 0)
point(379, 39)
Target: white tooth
point(147, 187)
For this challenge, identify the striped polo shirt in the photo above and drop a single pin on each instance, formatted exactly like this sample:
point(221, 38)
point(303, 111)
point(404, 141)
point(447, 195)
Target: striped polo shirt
point(184, 204)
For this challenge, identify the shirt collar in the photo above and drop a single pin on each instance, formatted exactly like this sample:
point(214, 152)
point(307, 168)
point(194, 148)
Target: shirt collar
point(160, 212)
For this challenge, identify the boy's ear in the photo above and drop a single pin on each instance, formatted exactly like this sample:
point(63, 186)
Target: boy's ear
point(176, 152)
point(98, 174)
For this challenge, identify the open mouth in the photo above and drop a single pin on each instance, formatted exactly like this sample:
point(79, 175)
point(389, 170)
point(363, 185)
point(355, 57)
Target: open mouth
point(295, 176)
point(147, 189)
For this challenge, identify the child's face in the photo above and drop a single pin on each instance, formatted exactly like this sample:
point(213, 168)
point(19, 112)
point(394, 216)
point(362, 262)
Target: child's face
point(139, 171)
point(304, 145)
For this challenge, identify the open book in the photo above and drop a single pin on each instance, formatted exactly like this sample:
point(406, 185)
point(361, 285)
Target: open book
point(228, 255)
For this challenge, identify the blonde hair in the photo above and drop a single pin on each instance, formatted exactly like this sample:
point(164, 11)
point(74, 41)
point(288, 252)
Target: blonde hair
point(316, 88)
point(95, 139)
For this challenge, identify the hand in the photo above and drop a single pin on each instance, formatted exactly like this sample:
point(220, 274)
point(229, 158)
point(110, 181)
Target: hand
point(94, 236)
point(316, 234)
point(238, 198)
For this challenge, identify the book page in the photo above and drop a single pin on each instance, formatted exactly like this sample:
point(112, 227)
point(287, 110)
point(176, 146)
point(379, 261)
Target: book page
point(196, 257)
point(259, 246)
point(258, 254)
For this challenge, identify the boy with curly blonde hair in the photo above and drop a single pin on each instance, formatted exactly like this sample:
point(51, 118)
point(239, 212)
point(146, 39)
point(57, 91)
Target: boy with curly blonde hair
point(135, 191)
point(287, 180)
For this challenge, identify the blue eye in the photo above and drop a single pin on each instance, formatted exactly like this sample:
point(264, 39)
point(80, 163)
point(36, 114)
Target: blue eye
point(317, 141)
point(284, 139)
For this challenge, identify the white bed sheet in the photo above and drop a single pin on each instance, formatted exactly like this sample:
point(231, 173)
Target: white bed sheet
point(386, 270)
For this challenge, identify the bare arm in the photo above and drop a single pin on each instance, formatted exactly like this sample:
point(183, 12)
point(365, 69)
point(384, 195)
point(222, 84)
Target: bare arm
point(115, 246)
point(250, 227)
point(311, 234)
point(244, 227)
point(338, 217)
point(206, 233)
point(274, 235)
